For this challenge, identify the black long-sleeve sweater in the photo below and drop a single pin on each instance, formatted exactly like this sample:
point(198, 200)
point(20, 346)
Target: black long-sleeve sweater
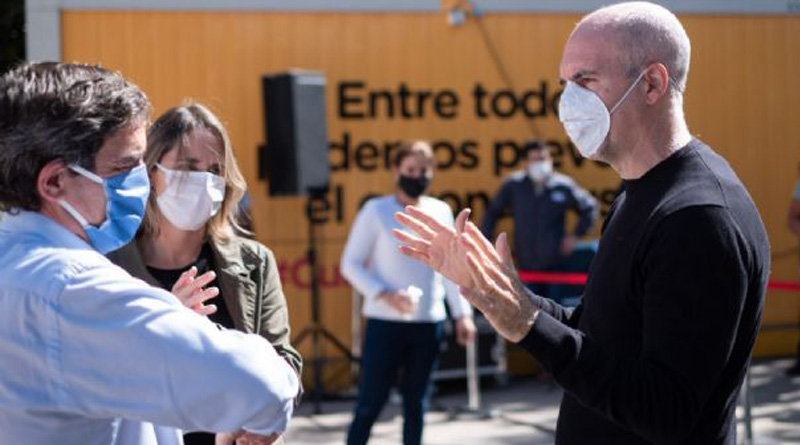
point(657, 351)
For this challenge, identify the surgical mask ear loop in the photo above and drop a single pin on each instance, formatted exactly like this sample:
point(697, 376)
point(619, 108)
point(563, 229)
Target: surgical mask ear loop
point(87, 174)
point(625, 96)
point(69, 207)
point(74, 212)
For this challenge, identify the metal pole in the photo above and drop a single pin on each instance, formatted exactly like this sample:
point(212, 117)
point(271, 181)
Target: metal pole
point(473, 388)
point(317, 351)
point(747, 408)
point(355, 326)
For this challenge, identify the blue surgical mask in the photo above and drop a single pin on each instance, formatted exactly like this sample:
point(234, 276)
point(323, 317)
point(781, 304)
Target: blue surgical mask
point(126, 199)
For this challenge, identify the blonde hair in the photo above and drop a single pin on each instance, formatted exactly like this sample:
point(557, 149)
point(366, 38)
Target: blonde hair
point(171, 131)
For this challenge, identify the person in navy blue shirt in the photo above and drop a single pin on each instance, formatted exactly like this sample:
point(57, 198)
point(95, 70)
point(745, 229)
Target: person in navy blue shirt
point(539, 200)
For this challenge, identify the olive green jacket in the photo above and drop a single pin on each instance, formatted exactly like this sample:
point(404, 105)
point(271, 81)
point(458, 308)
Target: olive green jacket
point(247, 275)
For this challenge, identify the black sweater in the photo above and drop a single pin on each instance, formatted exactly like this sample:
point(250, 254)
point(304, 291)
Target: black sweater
point(657, 351)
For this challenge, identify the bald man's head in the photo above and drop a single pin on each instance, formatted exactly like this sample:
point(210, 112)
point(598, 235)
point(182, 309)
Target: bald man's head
point(643, 33)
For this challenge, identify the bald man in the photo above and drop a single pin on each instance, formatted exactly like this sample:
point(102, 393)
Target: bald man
point(657, 351)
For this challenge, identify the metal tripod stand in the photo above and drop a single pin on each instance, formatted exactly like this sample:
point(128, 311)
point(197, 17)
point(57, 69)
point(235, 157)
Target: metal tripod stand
point(316, 331)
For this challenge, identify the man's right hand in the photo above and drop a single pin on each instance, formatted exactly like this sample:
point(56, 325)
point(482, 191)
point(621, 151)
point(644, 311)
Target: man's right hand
point(436, 244)
point(244, 438)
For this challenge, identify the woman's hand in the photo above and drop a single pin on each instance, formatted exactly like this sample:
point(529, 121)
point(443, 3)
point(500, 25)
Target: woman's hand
point(190, 291)
point(465, 330)
point(400, 301)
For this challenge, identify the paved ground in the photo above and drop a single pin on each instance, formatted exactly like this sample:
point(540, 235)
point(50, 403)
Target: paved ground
point(526, 411)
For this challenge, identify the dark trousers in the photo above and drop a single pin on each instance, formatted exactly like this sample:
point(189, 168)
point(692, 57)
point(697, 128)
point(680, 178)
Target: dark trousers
point(389, 347)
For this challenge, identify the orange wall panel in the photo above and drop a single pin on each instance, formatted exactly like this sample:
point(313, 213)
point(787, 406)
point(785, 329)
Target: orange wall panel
point(741, 99)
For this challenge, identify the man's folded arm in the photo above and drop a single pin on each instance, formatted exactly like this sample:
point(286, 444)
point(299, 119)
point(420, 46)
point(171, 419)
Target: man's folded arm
point(125, 349)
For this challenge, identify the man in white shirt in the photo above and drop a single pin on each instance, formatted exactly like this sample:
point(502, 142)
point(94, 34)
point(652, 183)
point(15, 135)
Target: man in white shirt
point(83, 344)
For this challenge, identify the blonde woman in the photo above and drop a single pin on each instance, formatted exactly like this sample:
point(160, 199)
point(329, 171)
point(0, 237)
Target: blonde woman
point(190, 234)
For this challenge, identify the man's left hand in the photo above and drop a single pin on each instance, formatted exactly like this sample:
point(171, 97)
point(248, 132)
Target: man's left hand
point(465, 330)
point(244, 438)
point(498, 292)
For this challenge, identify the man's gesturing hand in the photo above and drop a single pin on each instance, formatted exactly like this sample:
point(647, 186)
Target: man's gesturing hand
point(498, 291)
point(436, 244)
point(485, 273)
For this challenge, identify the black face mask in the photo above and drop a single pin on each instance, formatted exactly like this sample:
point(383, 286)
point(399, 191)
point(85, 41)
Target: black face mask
point(414, 187)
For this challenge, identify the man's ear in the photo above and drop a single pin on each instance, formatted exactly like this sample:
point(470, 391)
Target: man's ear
point(657, 80)
point(51, 182)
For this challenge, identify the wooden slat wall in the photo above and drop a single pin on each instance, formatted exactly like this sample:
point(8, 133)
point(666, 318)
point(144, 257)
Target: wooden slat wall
point(742, 99)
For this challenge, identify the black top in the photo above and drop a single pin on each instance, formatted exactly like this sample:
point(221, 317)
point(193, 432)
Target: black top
point(203, 263)
point(167, 278)
point(539, 216)
point(658, 349)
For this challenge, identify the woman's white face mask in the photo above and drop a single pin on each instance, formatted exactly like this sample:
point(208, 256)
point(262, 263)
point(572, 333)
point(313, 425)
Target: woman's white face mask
point(586, 118)
point(190, 199)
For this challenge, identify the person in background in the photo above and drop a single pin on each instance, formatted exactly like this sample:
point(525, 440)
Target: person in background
point(794, 227)
point(190, 231)
point(403, 300)
point(539, 199)
point(84, 345)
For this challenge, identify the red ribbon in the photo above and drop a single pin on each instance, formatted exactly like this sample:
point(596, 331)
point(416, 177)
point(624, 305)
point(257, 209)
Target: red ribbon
point(576, 279)
point(579, 279)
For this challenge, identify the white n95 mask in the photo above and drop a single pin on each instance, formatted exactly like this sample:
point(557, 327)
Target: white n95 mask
point(586, 118)
point(190, 199)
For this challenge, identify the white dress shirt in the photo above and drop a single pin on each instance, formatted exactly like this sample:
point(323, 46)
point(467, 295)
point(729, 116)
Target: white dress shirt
point(83, 345)
point(372, 263)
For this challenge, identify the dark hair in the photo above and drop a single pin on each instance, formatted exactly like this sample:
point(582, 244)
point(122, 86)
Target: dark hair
point(409, 148)
point(536, 145)
point(51, 111)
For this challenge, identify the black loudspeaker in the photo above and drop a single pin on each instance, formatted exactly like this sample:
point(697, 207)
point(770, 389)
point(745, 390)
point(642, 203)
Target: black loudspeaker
point(295, 159)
